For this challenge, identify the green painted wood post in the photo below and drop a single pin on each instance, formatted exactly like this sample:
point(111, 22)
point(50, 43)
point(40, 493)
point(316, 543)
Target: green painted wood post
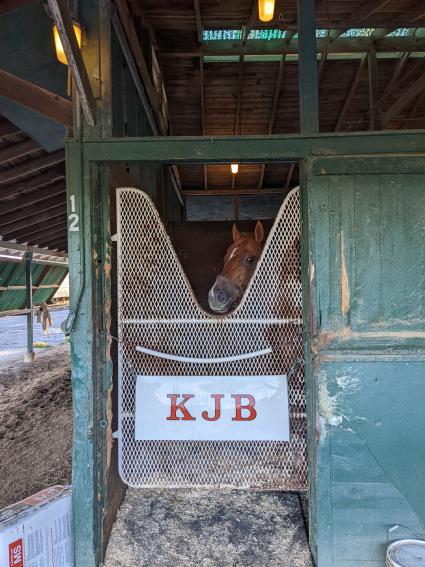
point(89, 268)
point(307, 67)
point(29, 357)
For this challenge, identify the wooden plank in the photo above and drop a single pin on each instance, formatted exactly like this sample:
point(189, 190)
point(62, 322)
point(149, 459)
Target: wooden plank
point(32, 197)
point(351, 92)
point(8, 129)
point(132, 37)
point(419, 105)
point(252, 18)
point(404, 100)
point(36, 98)
point(307, 68)
point(19, 150)
point(7, 6)
point(202, 87)
point(198, 19)
point(275, 103)
point(238, 117)
point(16, 222)
point(31, 184)
point(33, 232)
point(5, 245)
point(362, 13)
point(8, 218)
point(253, 149)
point(62, 17)
point(32, 166)
point(231, 191)
point(372, 68)
point(278, 47)
point(289, 176)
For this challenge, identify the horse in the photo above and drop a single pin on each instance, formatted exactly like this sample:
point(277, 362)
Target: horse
point(239, 264)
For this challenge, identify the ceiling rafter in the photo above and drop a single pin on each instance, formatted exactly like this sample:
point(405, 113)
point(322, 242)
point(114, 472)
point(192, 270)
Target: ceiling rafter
point(31, 166)
point(342, 45)
point(203, 119)
point(36, 98)
point(252, 18)
point(24, 208)
point(405, 18)
point(32, 184)
point(198, 18)
point(353, 87)
point(416, 89)
point(238, 107)
point(372, 67)
point(275, 104)
point(34, 230)
point(365, 11)
point(33, 197)
point(20, 220)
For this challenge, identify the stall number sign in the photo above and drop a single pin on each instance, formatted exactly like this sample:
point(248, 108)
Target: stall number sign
point(219, 408)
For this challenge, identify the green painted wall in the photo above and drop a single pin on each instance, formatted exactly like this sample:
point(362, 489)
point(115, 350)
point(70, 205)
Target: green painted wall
point(367, 337)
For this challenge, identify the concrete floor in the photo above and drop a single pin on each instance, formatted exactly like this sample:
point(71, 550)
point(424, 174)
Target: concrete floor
point(209, 528)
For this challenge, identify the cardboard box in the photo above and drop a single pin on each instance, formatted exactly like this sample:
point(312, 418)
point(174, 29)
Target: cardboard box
point(36, 532)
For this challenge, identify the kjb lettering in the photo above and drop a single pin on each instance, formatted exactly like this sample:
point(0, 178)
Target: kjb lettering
point(244, 408)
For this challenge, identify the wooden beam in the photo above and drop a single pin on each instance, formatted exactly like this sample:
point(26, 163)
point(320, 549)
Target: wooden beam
point(8, 129)
point(15, 222)
point(7, 6)
point(32, 197)
point(363, 12)
point(144, 20)
point(31, 166)
point(62, 18)
point(132, 37)
point(252, 18)
point(289, 176)
point(197, 8)
point(307, 68)
point(36, 98)
point(19, 150)
point(44, 229)
point(5, 245)
point(238, 108)
point(415, 90)
point(230, 191)
point(372, 68)
point(31, 184)
point(278, 47)
point(202, 87)
point(404, 19)
point(419, 104)
point(351, 92)
point(275, 103)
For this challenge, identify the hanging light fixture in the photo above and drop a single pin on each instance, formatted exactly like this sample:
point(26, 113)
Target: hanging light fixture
point(266, 10)
point(60, 53)
point(234, 167)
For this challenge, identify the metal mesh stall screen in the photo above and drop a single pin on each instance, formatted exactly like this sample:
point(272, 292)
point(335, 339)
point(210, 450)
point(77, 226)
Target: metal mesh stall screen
point(158, 311)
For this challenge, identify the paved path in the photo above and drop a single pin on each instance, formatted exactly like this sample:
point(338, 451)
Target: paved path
point(208, 528)
point(13, 333)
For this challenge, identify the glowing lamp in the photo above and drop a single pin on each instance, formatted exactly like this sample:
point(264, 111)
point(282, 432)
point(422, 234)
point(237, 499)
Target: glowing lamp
point(60, 53)
point(234, 167)
point(266, 10)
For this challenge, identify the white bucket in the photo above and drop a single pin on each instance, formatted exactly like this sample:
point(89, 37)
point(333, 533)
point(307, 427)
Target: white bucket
point(406, 553)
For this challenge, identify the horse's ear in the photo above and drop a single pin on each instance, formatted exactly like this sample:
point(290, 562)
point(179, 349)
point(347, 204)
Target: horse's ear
point(236, 234)
point(259, 232)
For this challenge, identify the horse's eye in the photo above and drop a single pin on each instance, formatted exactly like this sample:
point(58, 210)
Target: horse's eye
point(250, 260)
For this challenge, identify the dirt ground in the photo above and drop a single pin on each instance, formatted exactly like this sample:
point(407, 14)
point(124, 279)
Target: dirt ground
point(35, 424)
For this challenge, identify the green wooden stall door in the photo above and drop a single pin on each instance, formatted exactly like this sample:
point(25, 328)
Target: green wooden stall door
point(365, 221)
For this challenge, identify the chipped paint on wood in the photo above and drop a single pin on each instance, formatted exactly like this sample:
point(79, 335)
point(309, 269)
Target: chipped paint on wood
point(345, 288)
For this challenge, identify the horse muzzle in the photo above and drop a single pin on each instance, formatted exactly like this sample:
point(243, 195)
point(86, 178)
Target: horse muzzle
point(223, 294)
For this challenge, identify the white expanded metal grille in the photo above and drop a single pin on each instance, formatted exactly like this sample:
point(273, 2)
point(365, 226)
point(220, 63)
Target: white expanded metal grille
point(158, 311)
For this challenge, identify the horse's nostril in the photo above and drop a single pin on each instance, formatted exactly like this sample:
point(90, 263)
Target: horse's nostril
point(221, 296)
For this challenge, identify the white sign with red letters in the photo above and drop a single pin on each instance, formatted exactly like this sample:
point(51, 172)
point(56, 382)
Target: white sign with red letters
point(213, 408)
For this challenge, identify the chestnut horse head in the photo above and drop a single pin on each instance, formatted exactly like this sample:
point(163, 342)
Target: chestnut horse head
point(239, 265)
